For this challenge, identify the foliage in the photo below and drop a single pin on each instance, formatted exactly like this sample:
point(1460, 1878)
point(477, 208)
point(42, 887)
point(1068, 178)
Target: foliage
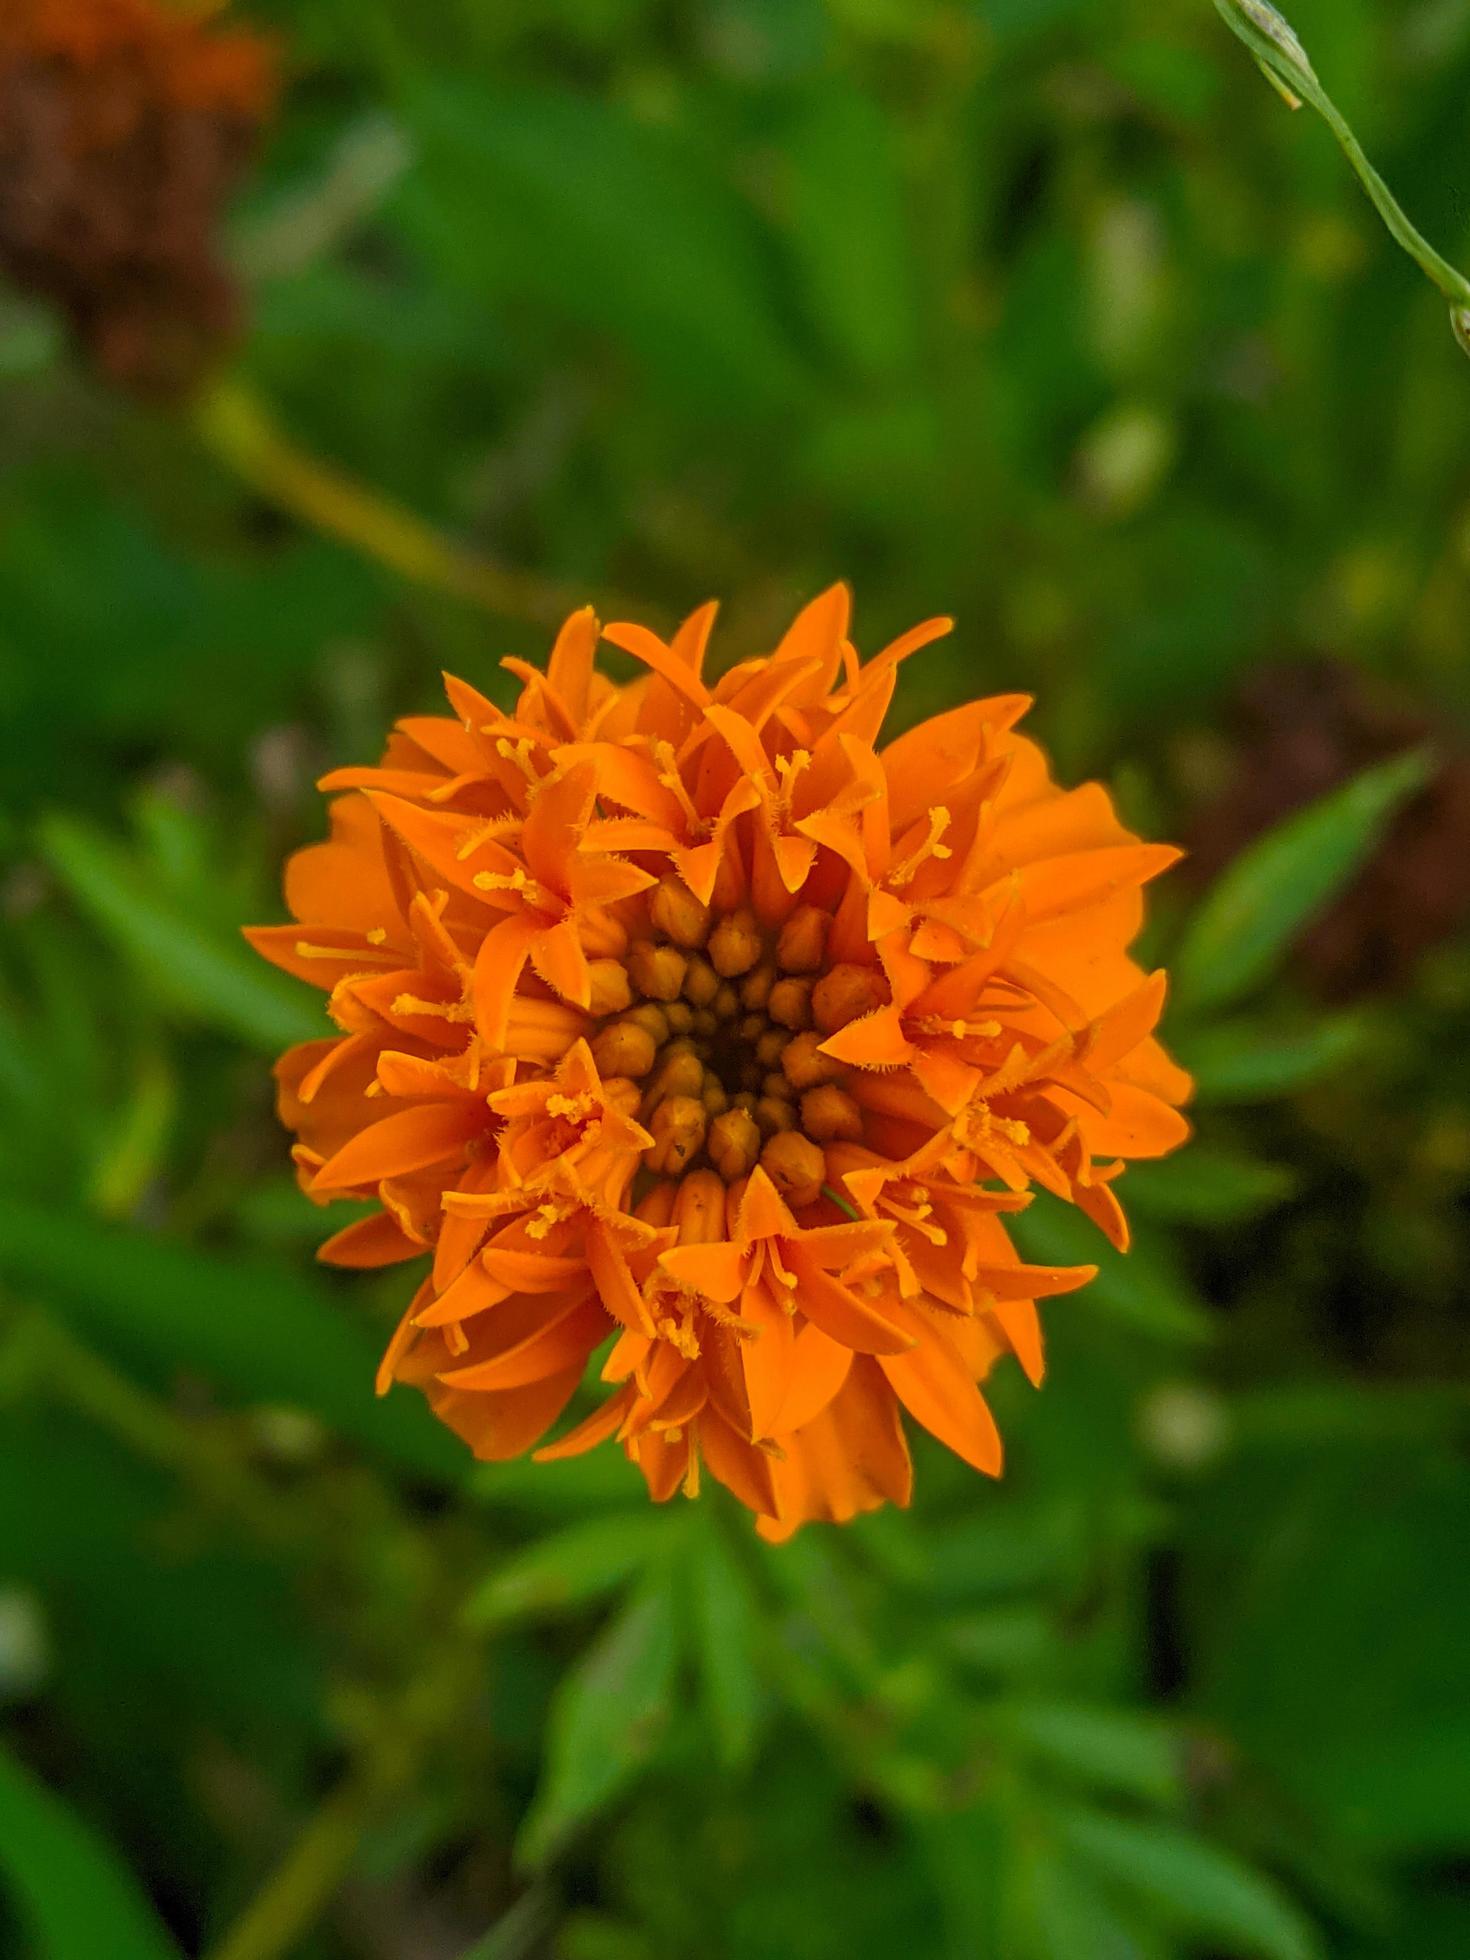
point(1039, 312)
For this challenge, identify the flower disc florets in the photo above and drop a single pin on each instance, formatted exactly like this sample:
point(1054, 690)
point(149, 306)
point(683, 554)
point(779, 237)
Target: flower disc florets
point(687, 1021)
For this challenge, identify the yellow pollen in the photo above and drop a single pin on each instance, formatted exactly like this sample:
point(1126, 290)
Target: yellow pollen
point(306, 951)
point(668, 774)
point(375, 935)
point(440, 1010)
point(483, 834)
point(520, 754)
point(541, 1221)
point(939, 820)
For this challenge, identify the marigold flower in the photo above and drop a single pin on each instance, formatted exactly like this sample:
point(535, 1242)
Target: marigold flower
point(786, 1238)
point(124, 125)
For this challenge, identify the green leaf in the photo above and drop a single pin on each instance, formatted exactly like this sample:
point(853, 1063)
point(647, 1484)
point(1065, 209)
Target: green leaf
point(570, 1568)
point(75, 1890)
point(1209, 1186)
point(257, 1332)
point(607, 1718)
point(1246, 1061)
point(570, 203)
point(1196, 1886)
point(850, 229)
point(1245, 925)
point(213, 980)
point(1064, 1914)
point(725, 1628)
point(1111, 1749)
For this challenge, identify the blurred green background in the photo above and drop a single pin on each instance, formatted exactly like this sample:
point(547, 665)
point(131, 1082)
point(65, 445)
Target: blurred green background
point(1041, 312)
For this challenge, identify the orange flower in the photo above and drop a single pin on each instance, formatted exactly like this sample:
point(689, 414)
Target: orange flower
point(123, 127)
point(685, 1021)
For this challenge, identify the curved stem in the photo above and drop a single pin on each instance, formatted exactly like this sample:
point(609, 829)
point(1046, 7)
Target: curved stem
point(302, 1886)
point(1284, 62)
point(240, 430)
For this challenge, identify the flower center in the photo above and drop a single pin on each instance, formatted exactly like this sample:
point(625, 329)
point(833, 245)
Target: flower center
point(719, 1023)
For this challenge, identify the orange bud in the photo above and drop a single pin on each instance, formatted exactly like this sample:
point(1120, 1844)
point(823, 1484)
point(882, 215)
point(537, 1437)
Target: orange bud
point(773, 1114)
point(804, 1065)
point(735, 944)
point(755, 988)
point(652, 1019)
point(679, 1015)
point(699, 1209)
point(803, 941)
point(612, 991)
point(678, 1127)
point(791, 1003)
point(681, 1074)
point(770, 1048)
point(829, 1114)
point(846, 994)
point(701, 982)
point(795, 1166)
point(657, 971)
point(623, 1048)
point(734, 1144)
point(678, 914)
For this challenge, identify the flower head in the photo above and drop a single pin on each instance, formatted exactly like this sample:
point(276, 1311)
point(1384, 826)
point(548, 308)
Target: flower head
point(124, 125)
point(687, 1021)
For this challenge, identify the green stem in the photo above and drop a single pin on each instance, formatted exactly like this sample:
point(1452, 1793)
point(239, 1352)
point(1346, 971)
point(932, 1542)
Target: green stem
point(1284, 62)
point(296, 1894)
point(146, 1425)
point(241, 431)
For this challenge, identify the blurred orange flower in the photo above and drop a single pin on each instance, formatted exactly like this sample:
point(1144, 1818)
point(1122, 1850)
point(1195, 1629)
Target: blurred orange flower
point(687, 1019)
point(124, 125)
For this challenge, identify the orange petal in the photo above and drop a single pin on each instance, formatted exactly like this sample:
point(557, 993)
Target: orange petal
point(614, 1281)
point(766, 1359)
point(819, 1367)
point(717, 1271)
point(935, 1387)
point(564, 1340)
point(409, 1140)
point(605, 1420)
point(738, 1465)
point(375, 1241)
point(840, 1313)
